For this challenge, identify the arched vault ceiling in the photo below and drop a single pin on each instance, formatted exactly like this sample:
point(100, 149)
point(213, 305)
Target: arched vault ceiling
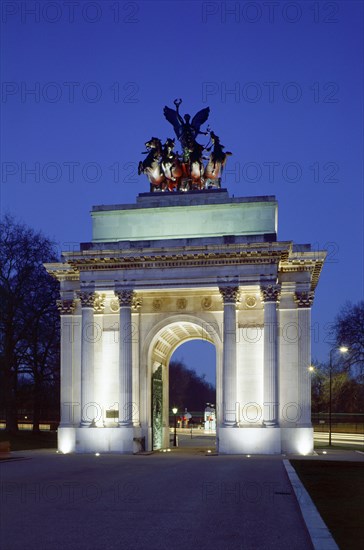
point(175, 334)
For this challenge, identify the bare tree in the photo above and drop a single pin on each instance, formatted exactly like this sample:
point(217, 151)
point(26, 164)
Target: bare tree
point(349, 331)
point(187, 389)
point(29, 329)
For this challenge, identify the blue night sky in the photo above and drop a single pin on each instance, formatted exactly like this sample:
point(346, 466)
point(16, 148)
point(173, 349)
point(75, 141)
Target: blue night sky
point(284, 81)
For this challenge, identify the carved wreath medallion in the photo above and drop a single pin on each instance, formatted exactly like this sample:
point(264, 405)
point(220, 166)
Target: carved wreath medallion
point(157, 304)
point(206, 302)
point(114, 305)
point(181, 303)
point(250, 301)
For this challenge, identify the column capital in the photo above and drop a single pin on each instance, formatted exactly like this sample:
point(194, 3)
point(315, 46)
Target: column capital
point(125, 296)
point(91, 299)
point(66, 307)
point(304, 299)
point(270, 293)
point(99, 303)
point(87, 298)
point(230, 294)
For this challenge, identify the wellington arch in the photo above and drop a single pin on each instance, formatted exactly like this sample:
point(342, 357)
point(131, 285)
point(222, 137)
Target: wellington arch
point(173, 267)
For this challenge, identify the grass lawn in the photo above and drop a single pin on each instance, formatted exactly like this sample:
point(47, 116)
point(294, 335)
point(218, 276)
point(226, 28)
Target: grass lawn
point(26, 440)
point(337, 489)
point(321, 445)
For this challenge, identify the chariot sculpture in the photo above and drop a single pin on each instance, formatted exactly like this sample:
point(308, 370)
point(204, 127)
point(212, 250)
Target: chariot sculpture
point(168, 170)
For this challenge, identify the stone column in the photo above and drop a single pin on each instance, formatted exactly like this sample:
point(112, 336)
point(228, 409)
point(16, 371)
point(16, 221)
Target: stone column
point(66, 309)
point(230, 295)
point(98, 359)
point(125, 358)
point(304, 302)
point(137, 304)
point(270, 297)
point(87, 358)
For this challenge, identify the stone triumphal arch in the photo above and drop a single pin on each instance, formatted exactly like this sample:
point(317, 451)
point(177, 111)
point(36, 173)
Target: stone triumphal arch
point(174, 267)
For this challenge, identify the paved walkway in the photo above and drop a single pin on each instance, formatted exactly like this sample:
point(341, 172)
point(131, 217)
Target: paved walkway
point(182, 499)
point(161, 501)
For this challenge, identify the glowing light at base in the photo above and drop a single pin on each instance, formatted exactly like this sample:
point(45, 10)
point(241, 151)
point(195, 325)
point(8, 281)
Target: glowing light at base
point(304, 446)
point(66, 443)
point(65, 447)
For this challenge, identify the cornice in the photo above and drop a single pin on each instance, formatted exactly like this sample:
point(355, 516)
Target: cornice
point(237, 254)
point(218, 255)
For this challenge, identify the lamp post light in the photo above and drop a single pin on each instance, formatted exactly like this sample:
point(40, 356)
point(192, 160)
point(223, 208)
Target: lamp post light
point(342, 349)
point(175, 410)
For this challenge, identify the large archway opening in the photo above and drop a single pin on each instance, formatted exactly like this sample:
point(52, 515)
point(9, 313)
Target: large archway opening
point(190, 337)
point(192, 390)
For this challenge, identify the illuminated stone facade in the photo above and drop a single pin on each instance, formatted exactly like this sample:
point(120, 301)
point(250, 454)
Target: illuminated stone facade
point(177, 267)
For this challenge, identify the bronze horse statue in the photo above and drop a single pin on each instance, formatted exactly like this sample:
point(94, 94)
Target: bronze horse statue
point(197, 167)
point(169, 171)
point(171, 166)
point(216, 163)
point(151, 165)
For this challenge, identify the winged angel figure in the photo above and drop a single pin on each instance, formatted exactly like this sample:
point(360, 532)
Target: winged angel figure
point(187, 130)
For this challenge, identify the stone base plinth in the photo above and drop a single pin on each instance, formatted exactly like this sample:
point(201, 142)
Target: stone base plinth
point(99, 440)
point(297, 440)
point(204, 214)
point(266, 441)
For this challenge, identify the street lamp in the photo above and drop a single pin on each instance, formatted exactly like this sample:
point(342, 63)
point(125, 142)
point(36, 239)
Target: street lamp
point(342, 349)
point(175, 410)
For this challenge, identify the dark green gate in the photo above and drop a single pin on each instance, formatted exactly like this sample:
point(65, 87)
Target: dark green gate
point(157, 408)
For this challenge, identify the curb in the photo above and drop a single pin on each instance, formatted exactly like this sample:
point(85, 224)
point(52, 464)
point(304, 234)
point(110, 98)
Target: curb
point(320, 535)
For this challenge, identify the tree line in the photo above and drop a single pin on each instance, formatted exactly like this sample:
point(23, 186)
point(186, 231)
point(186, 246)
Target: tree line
point(29, 324)
point(187, 389)
point(347, 369)
point(30, 341)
